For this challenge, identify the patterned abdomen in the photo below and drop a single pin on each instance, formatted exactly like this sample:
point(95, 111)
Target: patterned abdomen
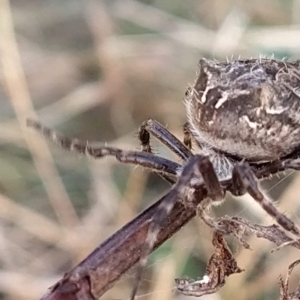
point(247, 108)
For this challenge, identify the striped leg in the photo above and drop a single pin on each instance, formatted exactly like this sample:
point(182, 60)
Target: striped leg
point(144, 159)
point(244, 180)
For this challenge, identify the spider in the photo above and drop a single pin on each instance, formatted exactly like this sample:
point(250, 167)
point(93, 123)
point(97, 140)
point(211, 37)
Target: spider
point(242, 116)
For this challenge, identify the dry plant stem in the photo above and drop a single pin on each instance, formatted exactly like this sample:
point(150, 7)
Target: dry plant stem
point(96, 274)
point(102, 268)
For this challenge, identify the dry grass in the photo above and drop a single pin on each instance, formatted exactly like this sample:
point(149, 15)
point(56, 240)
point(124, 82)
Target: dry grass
point(96, 70)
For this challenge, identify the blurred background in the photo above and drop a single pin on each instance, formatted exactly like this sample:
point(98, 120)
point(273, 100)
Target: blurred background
point(95, 70)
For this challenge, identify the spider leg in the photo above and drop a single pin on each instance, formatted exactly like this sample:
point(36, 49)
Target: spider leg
point(266, 169)
point(144, 159)
point(244, 180)
point(292, 164)
point(197, 170)
point(162, 134)
point(215, 192)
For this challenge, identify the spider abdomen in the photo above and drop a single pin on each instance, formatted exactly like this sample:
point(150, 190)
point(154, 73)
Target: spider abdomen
point(247, 108)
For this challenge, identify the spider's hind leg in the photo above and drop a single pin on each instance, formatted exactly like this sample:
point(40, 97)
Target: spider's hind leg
point(244, 180)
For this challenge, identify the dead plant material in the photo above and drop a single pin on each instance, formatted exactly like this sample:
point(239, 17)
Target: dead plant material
point(220, 265)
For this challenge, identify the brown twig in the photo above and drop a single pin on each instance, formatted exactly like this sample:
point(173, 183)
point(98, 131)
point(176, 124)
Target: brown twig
point(102, 268)
point(92, 277)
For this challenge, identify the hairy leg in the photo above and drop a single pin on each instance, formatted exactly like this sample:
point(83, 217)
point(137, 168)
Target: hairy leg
point(162, 134)
point(244, 180)
point(144, 159)
point(266, 169)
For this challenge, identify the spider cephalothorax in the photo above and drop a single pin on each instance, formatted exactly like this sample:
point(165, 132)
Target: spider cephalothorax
point(244, 115)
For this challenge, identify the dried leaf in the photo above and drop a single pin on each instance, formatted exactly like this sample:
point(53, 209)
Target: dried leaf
point(221, 265)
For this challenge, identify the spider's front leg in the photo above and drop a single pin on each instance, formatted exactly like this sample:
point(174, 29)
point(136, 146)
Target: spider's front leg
point(165, 136)
point(222, 263)
point(148, 160)
point(244, 180)
point(215, 192)
point(197, 171)
point(152, 127)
